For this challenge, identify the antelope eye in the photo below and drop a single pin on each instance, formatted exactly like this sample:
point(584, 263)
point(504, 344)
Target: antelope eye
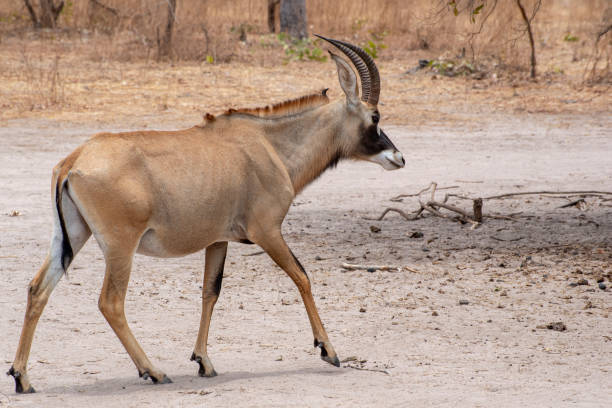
point(376, 117)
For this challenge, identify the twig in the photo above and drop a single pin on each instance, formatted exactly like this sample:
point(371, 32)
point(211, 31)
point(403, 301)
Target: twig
point(255, 253)
point(449, 207)
point(422, 191)
point(507, 240)
point(588, 192)
point(577, 203)
point(366, 369)
point(409, 217)
point(464, 215)
point(502, 217)
point(352, 267)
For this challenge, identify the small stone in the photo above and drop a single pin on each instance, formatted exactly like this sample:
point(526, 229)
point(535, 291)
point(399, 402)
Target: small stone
point(557, 326)
point(602, 286)
point(362, 309)
point(463, 302)
point(374, 229)
point(318, 258)
point(582, 282)
point(371, 270)
point(280, 358)
point(600, 279)
point(416, 234)
point(434, 313)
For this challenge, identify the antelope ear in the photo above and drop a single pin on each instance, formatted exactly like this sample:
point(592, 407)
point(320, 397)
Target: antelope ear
point(348, 79)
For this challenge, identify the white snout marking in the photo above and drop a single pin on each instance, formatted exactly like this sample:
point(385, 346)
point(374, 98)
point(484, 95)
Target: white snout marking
point(388, 159)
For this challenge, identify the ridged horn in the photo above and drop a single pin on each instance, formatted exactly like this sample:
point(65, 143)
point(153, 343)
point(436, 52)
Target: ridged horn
point(368, 73)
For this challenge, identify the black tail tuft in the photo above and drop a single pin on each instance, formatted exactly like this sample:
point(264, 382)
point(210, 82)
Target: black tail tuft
point(67, 253)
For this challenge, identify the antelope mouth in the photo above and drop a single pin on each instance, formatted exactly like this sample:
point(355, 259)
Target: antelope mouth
point(389, 159)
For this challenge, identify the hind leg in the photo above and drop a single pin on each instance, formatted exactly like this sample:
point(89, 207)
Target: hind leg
point(112, 305)
point(40, 289)
point(213, 275)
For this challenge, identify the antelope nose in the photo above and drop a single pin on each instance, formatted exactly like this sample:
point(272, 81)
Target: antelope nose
point(399, 158)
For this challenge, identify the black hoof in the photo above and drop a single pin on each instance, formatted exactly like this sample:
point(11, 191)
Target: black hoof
point(18, 385)
point(164, 380)
point(325, 355)
point(202, 370)
point(333, 361)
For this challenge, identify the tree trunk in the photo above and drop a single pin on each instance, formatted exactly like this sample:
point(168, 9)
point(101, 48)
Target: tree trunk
point(531, 42)
point(272, 15)
point(49, 13)
point(33, 16)
point(165, 43)
point(293, 18)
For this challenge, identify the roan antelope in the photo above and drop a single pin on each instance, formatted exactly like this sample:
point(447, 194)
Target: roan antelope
point(169, 194)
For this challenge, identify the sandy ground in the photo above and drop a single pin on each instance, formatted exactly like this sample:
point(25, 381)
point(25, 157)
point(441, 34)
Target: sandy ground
point(515, 276)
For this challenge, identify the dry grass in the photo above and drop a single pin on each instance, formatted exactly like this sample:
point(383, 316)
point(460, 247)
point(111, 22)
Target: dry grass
point(100, 60)
point(213, 27)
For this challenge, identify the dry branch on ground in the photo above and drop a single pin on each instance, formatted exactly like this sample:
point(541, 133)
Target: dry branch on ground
point(476, 216)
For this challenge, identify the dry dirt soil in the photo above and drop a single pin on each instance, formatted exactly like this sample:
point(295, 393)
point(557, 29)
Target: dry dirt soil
point(464, 325)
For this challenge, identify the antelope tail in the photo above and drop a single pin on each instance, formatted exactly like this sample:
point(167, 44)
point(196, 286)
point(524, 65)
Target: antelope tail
point(67, 253)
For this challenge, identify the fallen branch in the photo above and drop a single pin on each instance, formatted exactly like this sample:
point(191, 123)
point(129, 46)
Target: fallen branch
point(580, 204)
point(475, 218)
point(352, 267)
point(410, 217)
point(372, 268)
point(433, 207)
point(556, 193)
point(376, 370)
point(432, 184)
point(255, 253)
point(507, 240)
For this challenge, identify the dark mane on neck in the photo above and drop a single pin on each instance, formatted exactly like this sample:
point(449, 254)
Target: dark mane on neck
point(286, 108)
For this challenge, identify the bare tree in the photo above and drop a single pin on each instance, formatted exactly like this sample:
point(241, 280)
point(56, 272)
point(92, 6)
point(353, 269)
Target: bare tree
point(484, 9)
point(293, 18)
point(49, 13)
point(527, 21)
point(164, 44)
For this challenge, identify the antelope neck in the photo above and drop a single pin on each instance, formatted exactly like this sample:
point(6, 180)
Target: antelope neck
point(307, 143)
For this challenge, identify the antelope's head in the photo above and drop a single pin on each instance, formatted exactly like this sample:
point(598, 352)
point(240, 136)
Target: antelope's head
point(365, 140)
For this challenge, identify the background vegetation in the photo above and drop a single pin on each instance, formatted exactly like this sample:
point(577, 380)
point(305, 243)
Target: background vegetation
point(122, 42)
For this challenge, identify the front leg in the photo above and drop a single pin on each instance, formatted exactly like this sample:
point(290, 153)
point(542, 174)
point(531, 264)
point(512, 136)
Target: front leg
point(213, 276)
point(275, 245)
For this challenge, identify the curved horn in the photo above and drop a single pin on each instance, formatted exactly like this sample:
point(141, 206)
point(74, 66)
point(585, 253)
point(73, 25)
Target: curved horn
point(370, 83)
